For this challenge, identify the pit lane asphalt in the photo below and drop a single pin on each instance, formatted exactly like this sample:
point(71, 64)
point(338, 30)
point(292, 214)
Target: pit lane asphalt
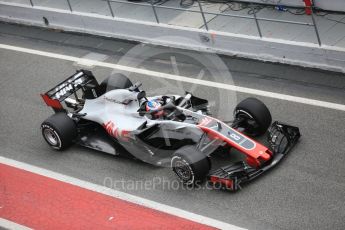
point(305, 192)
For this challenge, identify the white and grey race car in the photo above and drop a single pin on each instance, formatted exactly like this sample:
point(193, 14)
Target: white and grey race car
point(117, 117)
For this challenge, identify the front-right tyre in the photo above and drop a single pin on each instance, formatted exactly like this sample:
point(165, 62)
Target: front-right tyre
point(256, 117)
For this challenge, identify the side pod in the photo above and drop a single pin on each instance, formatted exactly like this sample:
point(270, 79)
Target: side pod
point(281, 137)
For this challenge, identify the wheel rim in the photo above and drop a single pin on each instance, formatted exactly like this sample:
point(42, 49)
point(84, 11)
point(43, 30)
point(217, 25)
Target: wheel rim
point(51, 137)
point(183, 170)
point(251, 126)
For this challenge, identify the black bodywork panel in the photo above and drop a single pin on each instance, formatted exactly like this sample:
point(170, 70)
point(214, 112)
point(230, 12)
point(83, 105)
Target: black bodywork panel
point(154, 145)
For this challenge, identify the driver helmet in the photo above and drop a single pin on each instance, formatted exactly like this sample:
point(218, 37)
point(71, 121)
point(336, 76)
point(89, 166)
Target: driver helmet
point(153, 105)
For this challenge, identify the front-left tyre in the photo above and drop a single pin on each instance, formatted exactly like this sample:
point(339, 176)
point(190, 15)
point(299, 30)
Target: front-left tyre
point(190, 165)
point(59, 131)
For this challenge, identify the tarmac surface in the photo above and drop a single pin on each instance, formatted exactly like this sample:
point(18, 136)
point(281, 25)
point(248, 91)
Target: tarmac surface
point(305, 192)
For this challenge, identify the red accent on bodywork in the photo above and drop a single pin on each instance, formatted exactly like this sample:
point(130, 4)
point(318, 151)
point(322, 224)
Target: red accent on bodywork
point(258, 154)
point(255, 163)
point(228, 183)
point(54, 103)
point(308, 6)
point(125, 134)
point(114, 131)
point(205, 121)
point(109, 127)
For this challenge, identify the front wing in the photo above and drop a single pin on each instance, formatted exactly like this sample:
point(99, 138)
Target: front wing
point(282, 138)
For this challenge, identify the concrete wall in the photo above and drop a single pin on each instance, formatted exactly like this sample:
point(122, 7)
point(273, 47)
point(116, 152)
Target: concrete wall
point(333, 5)
point(274, 50)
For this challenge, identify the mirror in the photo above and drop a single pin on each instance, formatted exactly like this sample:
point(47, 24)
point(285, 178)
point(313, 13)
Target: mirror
point(135, 87)
point(141, 95)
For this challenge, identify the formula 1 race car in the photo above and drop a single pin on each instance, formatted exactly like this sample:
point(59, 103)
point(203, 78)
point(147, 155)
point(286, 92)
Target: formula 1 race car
point(117, 117)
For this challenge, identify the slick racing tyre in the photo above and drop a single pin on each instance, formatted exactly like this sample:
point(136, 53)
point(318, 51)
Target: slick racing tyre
point(257, 117)
point(190, 165)
point(115, 81)
point(59, 131)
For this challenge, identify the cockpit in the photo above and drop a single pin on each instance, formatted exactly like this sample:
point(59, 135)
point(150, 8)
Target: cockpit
point(160, 108)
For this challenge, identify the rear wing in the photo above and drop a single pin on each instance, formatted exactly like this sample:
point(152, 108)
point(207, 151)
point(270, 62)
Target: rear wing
point(82, 79)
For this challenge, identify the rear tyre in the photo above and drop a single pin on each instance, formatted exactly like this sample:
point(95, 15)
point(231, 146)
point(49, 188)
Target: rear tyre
point(257, 118)
point(59, 131)
point(115, 81)
point(190, 165)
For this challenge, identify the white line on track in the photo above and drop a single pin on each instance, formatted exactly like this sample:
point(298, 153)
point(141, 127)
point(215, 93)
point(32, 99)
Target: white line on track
point(11, 225)
point(120, 195)
point(89, 62)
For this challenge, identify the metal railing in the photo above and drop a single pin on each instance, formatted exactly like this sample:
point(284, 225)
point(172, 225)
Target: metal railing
point(202, 13)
